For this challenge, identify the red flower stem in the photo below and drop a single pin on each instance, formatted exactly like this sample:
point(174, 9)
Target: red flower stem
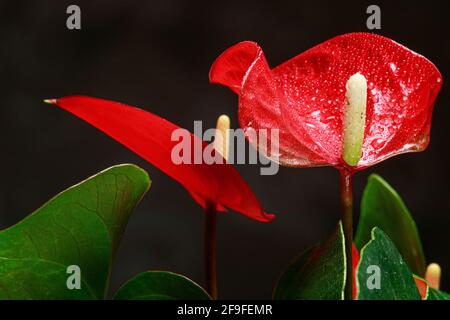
point(347, 221)
point(210, 250)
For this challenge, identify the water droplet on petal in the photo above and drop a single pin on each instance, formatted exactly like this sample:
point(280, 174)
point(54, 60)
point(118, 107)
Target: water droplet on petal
point(378, 143)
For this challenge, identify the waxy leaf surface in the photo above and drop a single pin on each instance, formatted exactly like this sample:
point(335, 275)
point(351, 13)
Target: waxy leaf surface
point(160, 285)
point(382, 207)
point(382, 274)
point(318, 273)
point(81, 227)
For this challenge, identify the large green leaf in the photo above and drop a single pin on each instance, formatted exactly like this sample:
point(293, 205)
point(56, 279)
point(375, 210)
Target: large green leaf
point(382, 207)
point(81, 226)
point(160, 285)
point(380, 258)
point(319, 273)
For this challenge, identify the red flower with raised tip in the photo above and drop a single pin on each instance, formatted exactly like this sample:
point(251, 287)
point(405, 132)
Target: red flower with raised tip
point(305, 98)
point(149, 136)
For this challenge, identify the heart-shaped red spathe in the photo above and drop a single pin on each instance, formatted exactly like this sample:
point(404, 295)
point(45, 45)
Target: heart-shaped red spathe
point(150, 137)
point(305, 97)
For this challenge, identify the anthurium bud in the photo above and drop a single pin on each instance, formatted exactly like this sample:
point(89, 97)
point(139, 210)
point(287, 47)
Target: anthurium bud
point(221, 140)
point(433, 275)
point(354, 119)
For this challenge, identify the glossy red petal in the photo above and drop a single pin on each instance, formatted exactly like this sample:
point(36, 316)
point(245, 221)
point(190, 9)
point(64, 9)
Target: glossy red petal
point(305, 97)
point(149, 136)
point(402, 88)
point(355, 261)
point(422, 286)
point(243, 68)
point(231, 66)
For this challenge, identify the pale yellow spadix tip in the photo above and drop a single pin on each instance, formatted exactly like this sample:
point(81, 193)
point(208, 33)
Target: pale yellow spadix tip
point(433, 275)
point(222, 139)
point(354, 118)
point(50, 101)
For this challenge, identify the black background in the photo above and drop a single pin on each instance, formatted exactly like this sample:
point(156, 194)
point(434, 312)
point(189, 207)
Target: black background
point(156, 55)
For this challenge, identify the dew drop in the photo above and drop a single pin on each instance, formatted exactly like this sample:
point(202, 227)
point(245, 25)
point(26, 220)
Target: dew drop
point(378, 143)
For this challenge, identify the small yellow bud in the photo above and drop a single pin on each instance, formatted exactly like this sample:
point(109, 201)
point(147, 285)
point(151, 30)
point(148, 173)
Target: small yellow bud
point(222, 138)
point(433, 275)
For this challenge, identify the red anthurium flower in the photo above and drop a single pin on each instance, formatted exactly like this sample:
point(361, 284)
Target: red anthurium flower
point(305, 98)
point(149, 136)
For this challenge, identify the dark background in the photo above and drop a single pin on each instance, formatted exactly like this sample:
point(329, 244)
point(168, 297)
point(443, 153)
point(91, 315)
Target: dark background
point(156, 55)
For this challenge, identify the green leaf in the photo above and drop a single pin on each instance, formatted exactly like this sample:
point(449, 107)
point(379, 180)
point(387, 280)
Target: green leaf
point(434, 294)
point(382, 207)
point(319, 273)
point(160, 285)
point(380, 259)
point(81, 226)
